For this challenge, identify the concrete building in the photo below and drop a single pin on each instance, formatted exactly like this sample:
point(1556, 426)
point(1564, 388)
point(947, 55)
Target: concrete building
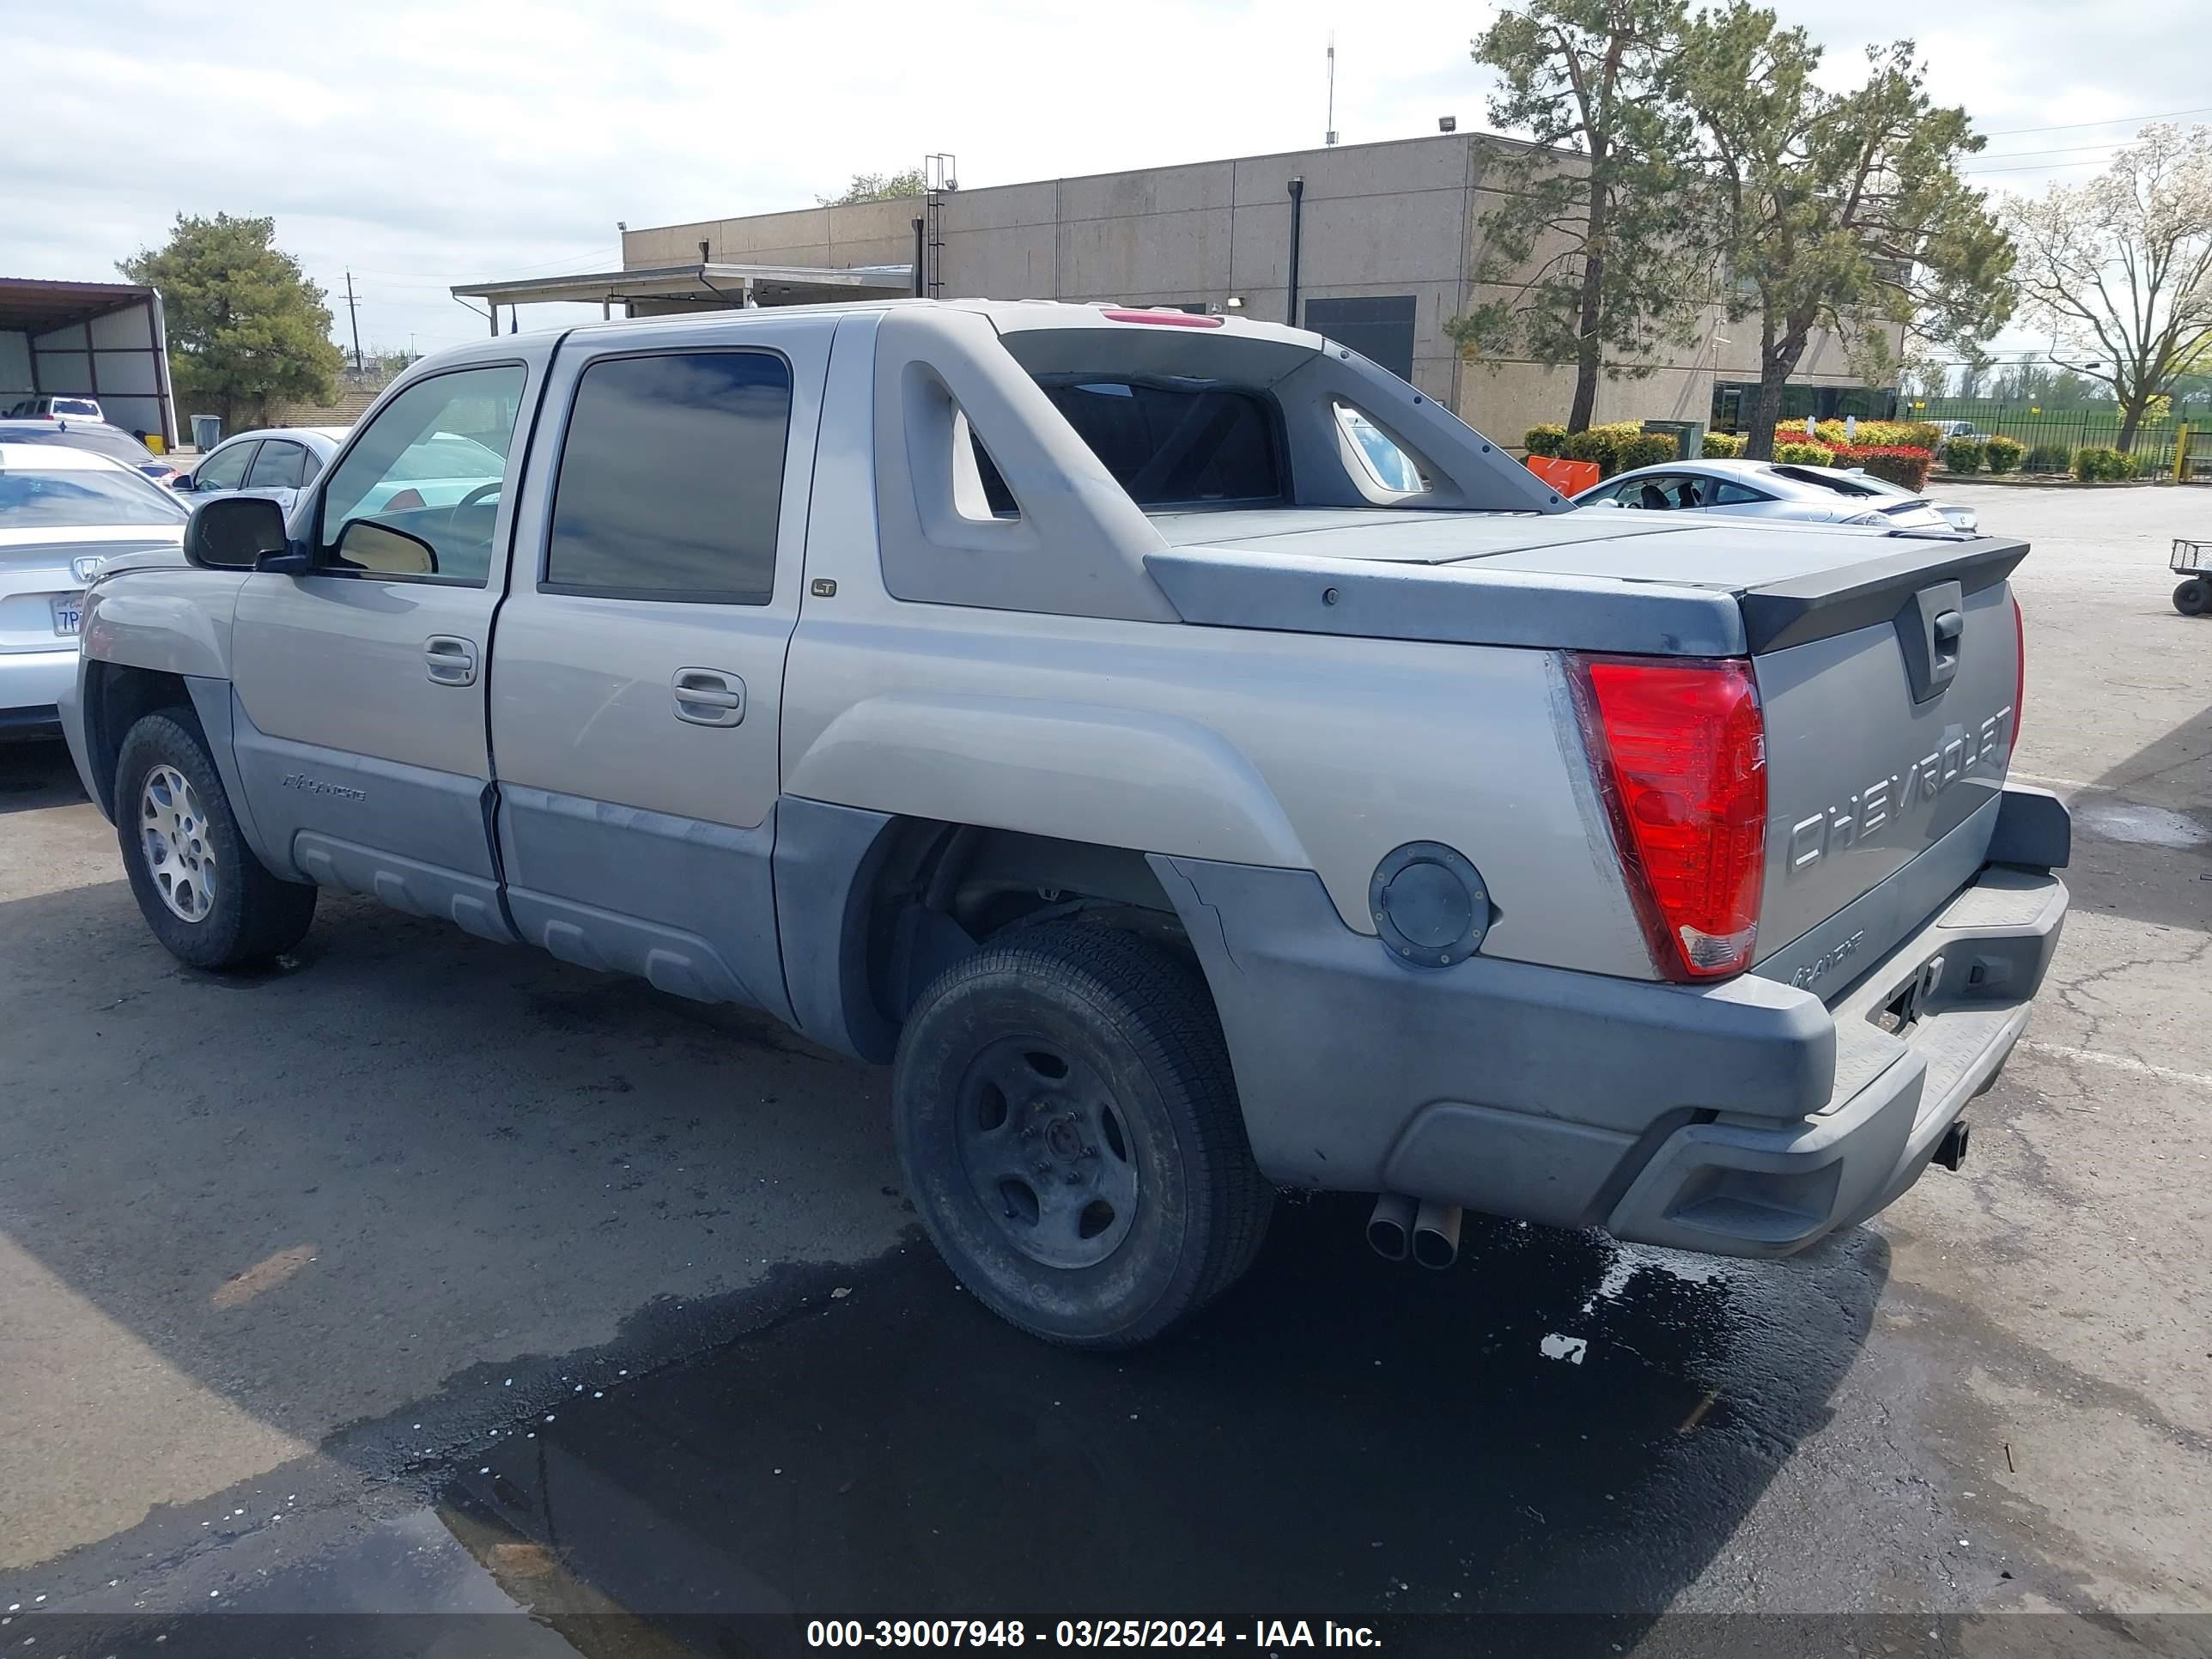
point(1380, 241)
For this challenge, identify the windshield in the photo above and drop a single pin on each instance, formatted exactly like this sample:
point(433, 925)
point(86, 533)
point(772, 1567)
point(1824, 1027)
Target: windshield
point(81, 498)
point(106, 440)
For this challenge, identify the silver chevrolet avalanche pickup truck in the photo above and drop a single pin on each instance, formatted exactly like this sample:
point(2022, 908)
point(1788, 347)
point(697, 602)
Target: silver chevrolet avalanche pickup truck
point(1198, 763)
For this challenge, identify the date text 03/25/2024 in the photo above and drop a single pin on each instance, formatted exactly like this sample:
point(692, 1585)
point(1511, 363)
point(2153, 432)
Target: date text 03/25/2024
point(1263, 1634)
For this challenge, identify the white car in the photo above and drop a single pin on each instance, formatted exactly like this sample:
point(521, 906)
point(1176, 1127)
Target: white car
point(1767, 490)
point(63, 513)
point(55, 408)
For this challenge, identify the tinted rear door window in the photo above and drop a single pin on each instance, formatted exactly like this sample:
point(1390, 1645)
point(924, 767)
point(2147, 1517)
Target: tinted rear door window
point(671, 479)
point(276, 467)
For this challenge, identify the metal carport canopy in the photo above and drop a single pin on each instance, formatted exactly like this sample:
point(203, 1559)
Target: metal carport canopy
point(39, 310)
point(712, 284)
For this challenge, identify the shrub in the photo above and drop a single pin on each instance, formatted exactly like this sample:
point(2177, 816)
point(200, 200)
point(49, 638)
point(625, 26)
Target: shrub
point(2004, 453)
point(2098, 465)
point(1803, 454)
point(1870, 434)
point(1723, 445)
point(1646, 449)
point(1545, 439)
point(1898, 463)
point(1963, 455)
point(2050, 458)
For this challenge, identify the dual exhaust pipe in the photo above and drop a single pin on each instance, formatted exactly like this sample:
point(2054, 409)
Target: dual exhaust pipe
point(1428, 1231)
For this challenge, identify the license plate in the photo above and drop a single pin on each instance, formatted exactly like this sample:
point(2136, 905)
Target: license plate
point(69, 614)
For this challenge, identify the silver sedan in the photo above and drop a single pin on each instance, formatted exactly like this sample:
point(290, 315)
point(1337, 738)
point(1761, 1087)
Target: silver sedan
point(63, 512)
point(1768, 489)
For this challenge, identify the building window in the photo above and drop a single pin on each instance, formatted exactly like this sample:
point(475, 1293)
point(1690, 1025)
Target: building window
point(1379, 327)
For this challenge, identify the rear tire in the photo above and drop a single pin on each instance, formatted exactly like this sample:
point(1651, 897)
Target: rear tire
point(1070, 1132)
point(209, 900)
point(2194, 597)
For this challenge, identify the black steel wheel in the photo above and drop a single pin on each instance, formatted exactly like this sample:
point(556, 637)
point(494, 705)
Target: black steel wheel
point(1072, 1137)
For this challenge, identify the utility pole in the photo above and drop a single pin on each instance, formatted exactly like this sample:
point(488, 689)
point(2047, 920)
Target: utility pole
point(355, 316)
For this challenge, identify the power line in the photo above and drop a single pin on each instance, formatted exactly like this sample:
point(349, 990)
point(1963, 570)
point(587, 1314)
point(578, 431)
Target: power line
point(2040, 166)
point(2110, 121)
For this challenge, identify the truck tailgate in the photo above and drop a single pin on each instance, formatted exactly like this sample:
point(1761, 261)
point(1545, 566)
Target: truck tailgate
point(1891, 703)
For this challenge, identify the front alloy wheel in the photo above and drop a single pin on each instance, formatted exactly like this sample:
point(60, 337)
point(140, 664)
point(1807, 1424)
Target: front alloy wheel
point(178, 855)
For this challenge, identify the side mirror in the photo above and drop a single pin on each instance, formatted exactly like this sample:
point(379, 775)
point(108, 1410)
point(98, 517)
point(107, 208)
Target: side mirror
point(231, 532)
point(365, 544)
point(182, 481)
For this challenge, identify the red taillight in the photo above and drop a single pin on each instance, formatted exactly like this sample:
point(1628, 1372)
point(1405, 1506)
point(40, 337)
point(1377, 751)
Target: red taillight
point(1164, 318)
point(1681, 751)
point(2019, 675)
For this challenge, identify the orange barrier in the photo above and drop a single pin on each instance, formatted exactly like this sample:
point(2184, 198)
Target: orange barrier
point(1568, 477)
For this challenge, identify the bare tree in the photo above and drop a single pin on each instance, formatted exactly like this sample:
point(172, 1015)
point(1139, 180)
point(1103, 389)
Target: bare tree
point(2120, 268)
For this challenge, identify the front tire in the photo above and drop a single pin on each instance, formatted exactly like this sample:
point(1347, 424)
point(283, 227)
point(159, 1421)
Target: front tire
point(1071, 1134)
point(2194, 597)
point(209, 900)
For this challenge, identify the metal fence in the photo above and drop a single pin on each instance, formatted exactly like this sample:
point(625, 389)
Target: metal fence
point(2052, 436)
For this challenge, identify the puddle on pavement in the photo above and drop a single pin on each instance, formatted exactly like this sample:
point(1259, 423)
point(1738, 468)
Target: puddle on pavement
point(1339, 1438)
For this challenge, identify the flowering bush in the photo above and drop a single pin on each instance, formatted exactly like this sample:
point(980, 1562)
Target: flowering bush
point(2004, 454)
point(1901, 463)
point(1545, 439)
point(1723, 445)
point(1870, 434)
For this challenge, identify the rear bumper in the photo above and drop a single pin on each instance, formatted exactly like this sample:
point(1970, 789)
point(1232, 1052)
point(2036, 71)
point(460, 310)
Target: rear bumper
point(31, 686)
point(1740, 1186)
point(1743, 1119)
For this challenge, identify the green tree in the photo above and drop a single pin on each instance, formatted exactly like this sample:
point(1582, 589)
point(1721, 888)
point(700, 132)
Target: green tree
point(2120, 269)
point(1605, 204)
point(879, 187)
point(245, 324)
point(1842, 210)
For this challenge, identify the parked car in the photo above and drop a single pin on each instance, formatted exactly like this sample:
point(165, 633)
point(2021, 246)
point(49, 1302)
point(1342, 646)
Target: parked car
point(1191, 812)
point(1947, 430)
point(97, 436)
point(1959, 518)
point(274, 461)
point(55, 408)
point(63, 512)
point(1765, 489)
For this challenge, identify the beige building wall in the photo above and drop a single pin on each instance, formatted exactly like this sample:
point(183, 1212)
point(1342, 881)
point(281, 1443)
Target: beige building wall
point(1402, 218)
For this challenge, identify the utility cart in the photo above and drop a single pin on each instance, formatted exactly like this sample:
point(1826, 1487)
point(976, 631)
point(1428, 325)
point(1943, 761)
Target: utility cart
point(2193, 598)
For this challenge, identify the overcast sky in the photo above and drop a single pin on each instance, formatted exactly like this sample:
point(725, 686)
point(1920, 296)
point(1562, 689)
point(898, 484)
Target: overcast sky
point(424, 145)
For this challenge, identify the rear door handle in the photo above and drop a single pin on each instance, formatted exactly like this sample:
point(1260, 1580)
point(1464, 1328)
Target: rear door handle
point(708, 696)
point(451, 660)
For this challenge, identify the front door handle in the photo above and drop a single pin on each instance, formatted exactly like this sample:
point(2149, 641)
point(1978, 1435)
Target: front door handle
point(708, 696)
point(451, 660)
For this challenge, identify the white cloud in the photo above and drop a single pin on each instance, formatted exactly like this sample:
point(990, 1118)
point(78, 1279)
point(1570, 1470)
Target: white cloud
point(423, 145)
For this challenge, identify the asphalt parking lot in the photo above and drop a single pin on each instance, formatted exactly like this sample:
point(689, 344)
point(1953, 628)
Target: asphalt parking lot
point(423, 1276)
